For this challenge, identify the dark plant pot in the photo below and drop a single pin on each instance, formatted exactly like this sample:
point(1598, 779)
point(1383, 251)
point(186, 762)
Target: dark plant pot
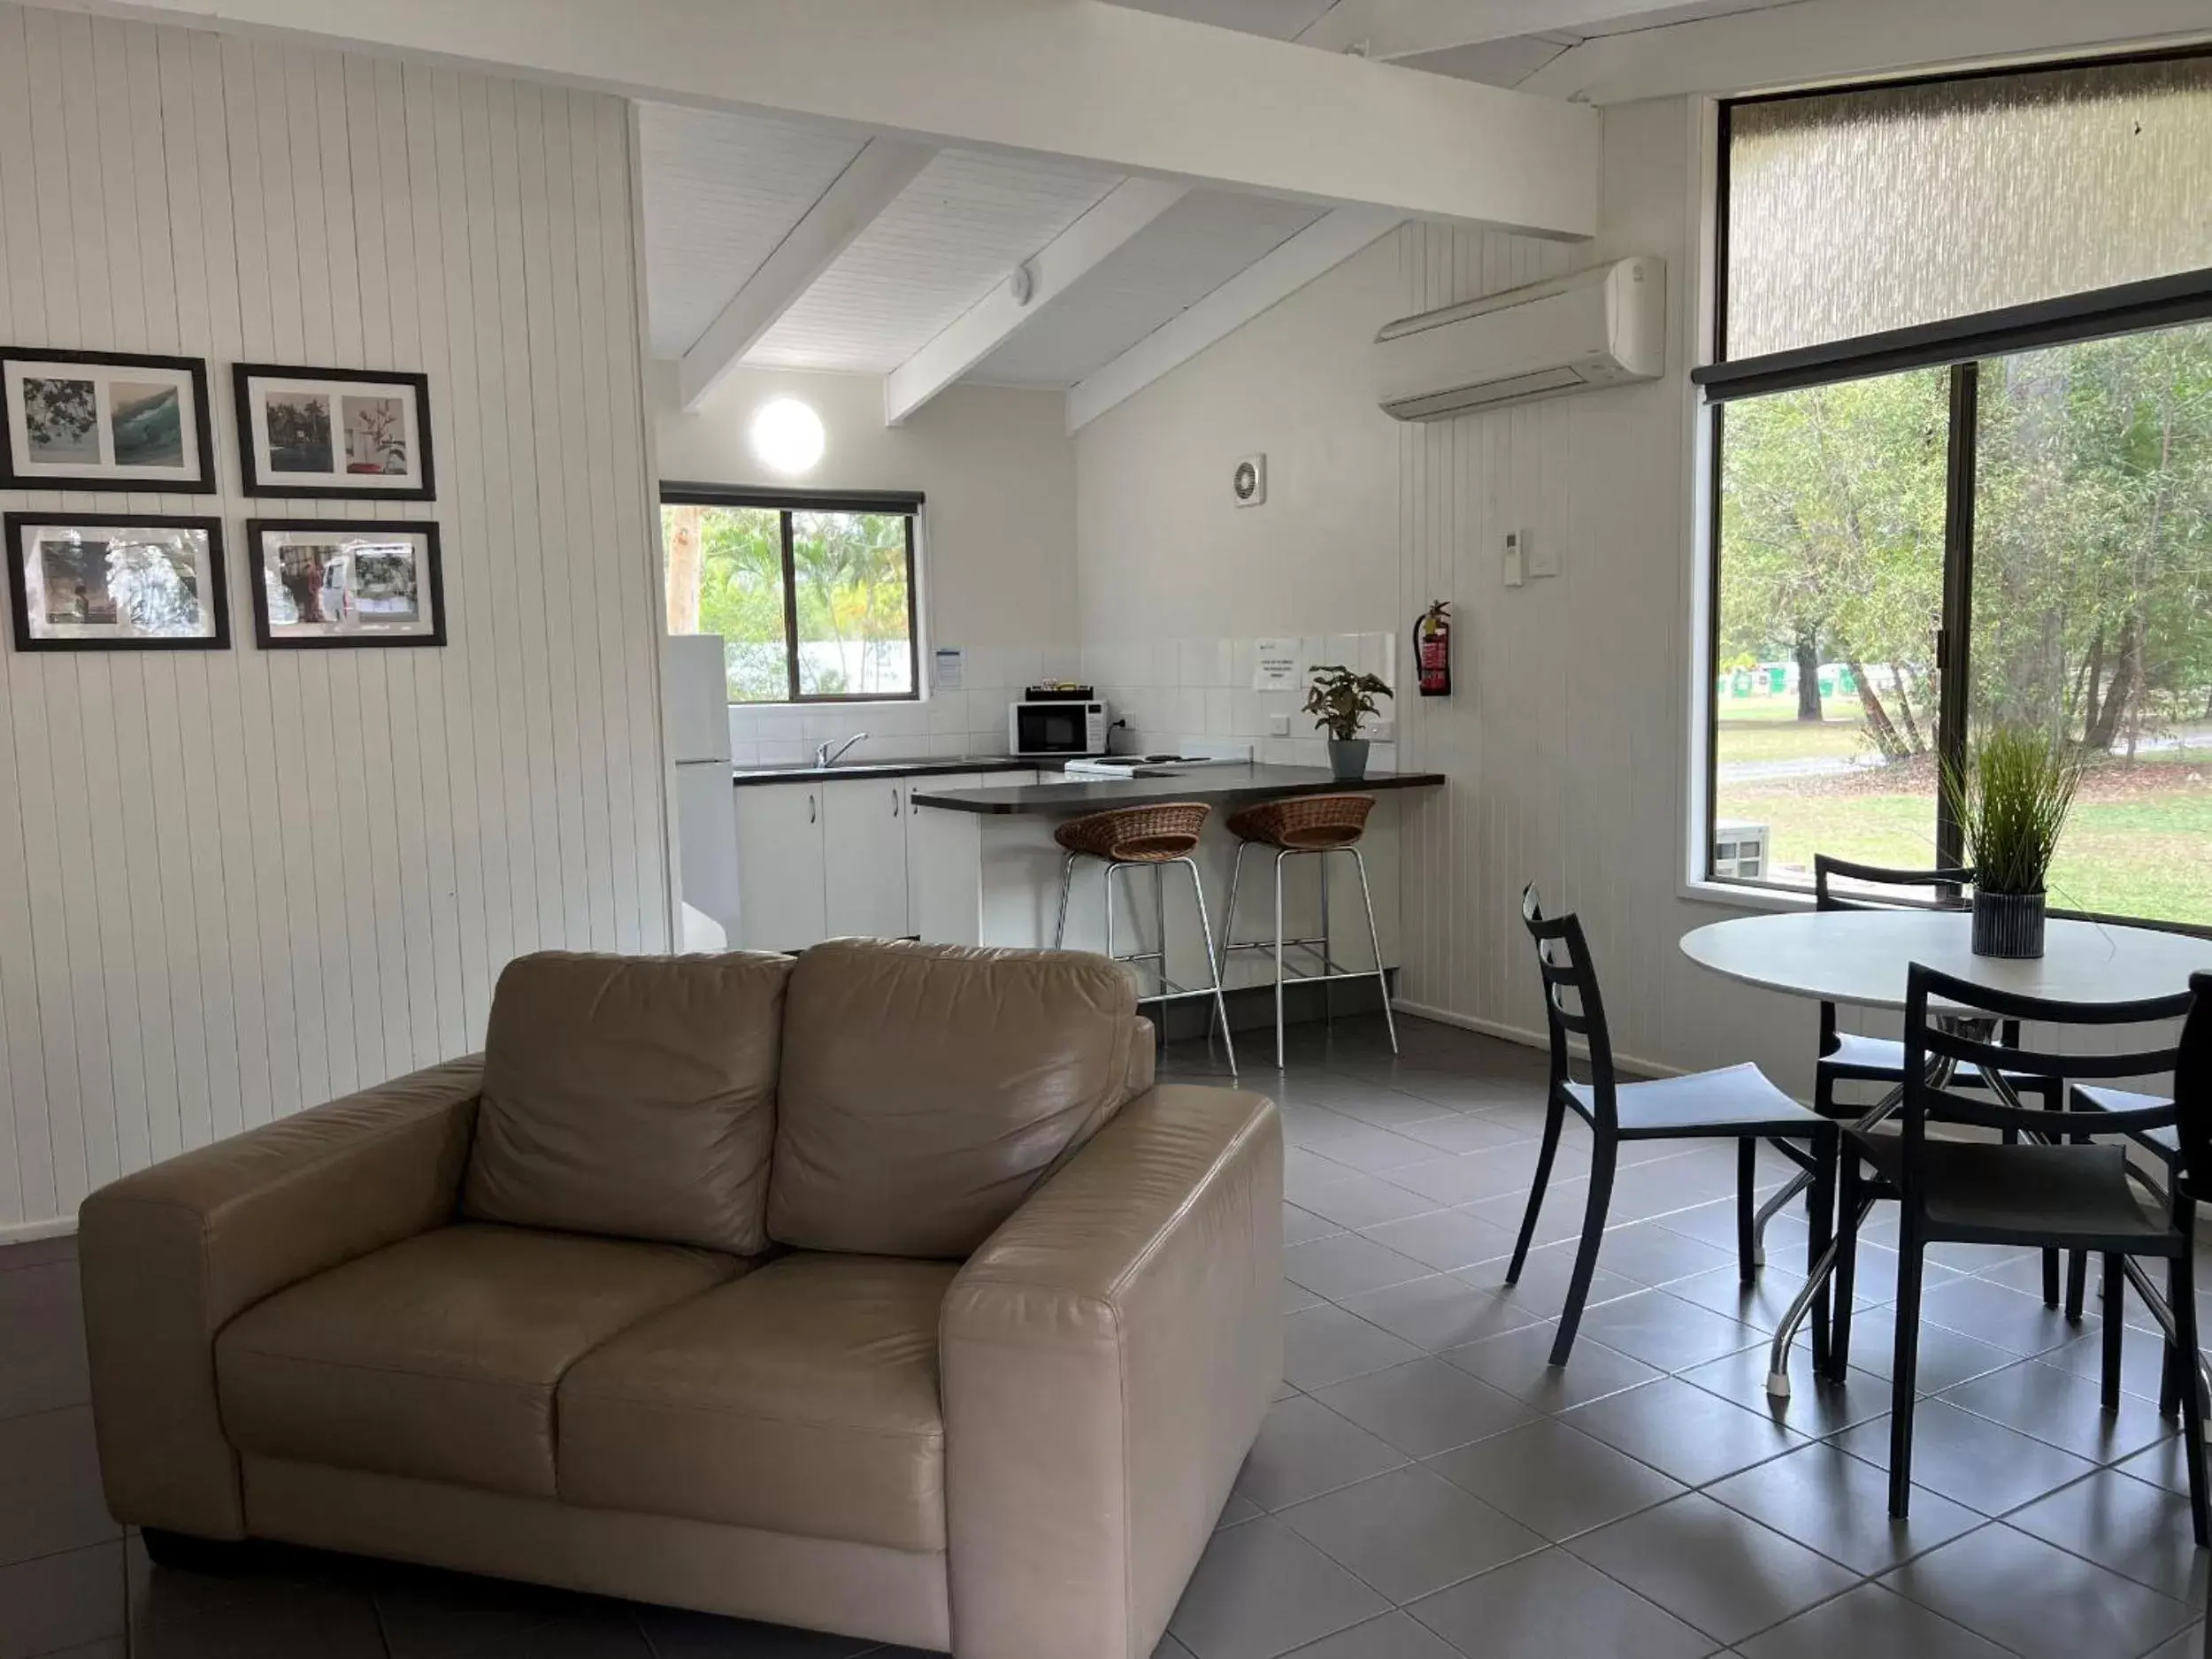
point(1348, 758)
point(2009, 923)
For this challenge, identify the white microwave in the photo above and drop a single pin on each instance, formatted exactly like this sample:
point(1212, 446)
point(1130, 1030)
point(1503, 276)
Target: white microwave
point(1056, 728)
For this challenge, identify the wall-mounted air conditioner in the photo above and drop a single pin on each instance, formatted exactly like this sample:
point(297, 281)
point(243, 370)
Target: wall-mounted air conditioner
point(1603, 327)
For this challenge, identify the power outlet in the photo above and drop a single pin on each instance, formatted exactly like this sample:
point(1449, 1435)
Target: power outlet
point(1543, 558)
point(1278, 725)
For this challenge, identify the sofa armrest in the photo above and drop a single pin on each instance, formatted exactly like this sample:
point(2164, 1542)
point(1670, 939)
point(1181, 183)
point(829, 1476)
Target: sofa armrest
point(171, 1254)
point(1108, 1355)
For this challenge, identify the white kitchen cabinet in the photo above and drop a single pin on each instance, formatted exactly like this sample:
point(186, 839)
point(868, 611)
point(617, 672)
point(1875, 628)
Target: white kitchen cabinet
point(780, 860)
point(864, 858)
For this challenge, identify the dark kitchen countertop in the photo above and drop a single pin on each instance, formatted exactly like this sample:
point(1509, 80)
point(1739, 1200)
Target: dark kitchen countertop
point(1238, 786)
point(797, 771)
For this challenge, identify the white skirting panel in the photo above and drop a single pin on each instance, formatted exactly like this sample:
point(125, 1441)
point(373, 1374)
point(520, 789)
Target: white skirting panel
point(236, 883)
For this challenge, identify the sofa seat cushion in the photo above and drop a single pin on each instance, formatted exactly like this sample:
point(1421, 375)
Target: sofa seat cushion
point(437, 1356)
point(802, 1399)
point(927, 1089)
point(631, 1097)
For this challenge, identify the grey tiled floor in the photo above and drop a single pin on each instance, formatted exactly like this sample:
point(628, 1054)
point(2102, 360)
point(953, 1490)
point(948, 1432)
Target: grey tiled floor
point(1425, 1486)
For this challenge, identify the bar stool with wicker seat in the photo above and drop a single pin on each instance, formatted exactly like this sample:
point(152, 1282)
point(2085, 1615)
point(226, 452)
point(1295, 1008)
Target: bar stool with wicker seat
point(1297, 826)
point(1156, 834)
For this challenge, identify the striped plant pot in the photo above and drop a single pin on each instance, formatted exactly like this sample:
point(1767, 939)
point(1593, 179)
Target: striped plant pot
point(2007, 924)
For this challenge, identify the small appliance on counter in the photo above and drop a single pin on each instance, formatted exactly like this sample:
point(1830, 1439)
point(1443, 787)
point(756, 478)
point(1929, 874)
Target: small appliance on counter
point(1050, 722)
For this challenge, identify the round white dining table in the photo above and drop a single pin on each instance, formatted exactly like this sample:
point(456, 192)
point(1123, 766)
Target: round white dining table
point(1865, 958)
point(1861, 956)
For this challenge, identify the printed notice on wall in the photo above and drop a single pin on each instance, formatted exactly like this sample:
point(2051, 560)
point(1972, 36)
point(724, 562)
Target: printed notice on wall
point(1275, 665)
point(949, 668)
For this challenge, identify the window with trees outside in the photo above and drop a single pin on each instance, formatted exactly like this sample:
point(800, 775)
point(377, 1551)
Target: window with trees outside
point(1962, 469)
point(813, 595)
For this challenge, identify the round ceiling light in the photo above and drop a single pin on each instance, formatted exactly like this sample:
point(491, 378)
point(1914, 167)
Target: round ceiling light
point(787, 435)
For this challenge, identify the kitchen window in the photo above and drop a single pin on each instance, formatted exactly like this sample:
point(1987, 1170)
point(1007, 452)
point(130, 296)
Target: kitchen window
point(1961, 470)
point(812, 593)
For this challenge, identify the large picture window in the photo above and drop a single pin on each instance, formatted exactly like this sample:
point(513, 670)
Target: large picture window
point(813, 595)
point(1963, 471)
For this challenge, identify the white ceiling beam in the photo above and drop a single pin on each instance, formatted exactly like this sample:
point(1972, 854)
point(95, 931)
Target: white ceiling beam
point(1830, 41)
point(1320, 248)
point(1080, 80)
point(871, 182)
point(1112, 220)
point(1387, 29)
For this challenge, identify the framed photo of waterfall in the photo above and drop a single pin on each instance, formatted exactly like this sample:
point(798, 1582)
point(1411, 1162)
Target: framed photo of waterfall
point(120, 581)
point(104, 420)
point(335, 435)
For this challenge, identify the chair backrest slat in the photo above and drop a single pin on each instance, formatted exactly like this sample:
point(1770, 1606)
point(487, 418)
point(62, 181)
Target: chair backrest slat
point(1827, 869)
point(1563, 958)
point(1948, 1020)
point(2192, 1090)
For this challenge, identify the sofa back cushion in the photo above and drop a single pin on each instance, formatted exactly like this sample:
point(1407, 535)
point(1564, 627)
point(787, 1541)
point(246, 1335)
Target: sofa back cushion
point(633, 1097)
point(927, 1088)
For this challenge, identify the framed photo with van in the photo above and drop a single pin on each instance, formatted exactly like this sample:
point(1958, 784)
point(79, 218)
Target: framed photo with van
point(318, 583)
point(338, 435)
point(116, 581)
point(104, 420)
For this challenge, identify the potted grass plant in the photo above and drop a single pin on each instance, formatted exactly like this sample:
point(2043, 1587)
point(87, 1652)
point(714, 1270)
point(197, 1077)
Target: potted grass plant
point(1339, 699)
point(2010, 801)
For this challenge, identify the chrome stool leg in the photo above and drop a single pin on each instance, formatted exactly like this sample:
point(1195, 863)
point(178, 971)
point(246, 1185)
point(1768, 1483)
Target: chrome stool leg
point(1374, 939)
point(1205, 928)
point(1067, 880)
point(1280, 1063)
point(1228, 932)
point(1328, 962)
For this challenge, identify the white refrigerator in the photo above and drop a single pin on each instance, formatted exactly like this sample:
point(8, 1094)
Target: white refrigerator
point(698, 724)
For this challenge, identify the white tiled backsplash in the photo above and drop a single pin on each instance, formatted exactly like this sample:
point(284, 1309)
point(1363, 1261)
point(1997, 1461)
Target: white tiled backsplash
point(1176, 696)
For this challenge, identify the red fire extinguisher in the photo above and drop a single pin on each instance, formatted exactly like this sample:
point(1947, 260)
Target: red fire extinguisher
point(1433, 648)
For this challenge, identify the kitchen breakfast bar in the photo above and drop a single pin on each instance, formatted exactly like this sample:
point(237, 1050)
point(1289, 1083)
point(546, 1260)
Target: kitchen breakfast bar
point(986, 869)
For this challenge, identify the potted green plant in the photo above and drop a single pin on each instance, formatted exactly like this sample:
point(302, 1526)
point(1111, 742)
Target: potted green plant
point(1338, 698)
point(2011, 801)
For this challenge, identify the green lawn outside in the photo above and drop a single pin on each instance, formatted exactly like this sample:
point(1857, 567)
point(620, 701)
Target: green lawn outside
point(2151, 856)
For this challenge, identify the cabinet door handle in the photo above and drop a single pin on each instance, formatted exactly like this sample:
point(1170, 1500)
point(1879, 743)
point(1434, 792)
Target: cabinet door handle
point(809, 807)
point(895, 800)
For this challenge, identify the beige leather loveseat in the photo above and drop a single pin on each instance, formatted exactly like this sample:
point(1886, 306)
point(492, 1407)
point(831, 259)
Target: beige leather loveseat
point(877, 1292)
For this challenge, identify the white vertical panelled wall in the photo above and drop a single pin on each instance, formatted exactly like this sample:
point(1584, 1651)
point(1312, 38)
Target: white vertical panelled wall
point(235, 883)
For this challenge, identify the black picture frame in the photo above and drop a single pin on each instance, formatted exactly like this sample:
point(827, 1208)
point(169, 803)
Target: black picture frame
point(254, 480)
point(218, 598)
point(202, 482)
point(432, 582)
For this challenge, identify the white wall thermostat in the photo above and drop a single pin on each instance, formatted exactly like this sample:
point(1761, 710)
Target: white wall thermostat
point(1249, 482)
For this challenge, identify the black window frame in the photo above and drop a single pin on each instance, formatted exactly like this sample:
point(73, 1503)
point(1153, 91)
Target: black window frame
point(906, 504)
point(1961, 344)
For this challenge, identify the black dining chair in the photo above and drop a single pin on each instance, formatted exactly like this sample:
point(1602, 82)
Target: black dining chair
point(1846, 1056)
point(2026, 1192)
point(1736, 1103)
point(2161, 1142)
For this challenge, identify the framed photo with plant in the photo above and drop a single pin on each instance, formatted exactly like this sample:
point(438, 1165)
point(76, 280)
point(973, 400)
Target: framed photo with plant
point(320, 583)
point(338, 435)
point(119, 581)
point(104, 420)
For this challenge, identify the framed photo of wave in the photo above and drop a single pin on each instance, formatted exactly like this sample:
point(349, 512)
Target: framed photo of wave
point(116, 581)
point(337, 434)
point(104, 420)
point(324, 582)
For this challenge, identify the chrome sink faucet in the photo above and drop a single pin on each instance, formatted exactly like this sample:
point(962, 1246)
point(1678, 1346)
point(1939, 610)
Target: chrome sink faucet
point(826, 756)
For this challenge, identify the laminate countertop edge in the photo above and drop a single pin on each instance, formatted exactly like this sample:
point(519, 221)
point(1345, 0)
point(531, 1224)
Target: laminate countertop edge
point(1214, 785)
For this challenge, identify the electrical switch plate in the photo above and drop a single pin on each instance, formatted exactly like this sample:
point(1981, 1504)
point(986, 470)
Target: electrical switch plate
point(1279, 725)
point(1542, 559)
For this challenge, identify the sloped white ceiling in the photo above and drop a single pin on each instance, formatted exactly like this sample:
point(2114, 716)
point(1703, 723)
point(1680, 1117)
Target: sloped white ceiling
point(721, 191)
point(1173, 264)
point(957, 231)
